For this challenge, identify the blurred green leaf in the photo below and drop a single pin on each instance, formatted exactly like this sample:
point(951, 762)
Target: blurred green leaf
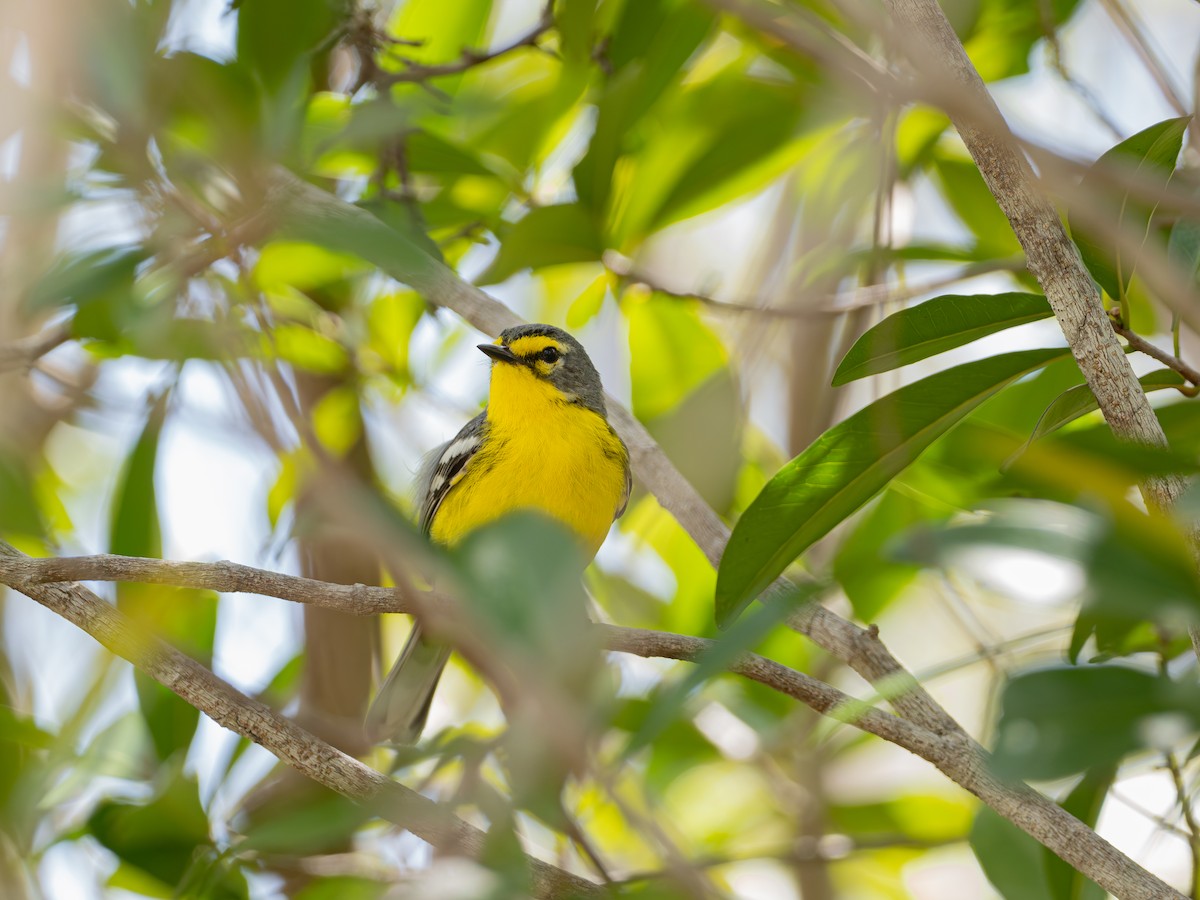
point(318, 825)
point(20, 513)
point(1183, 248)
point(1002, 34)
point(1060, 721)
point(934, 326)
point(972, 200)
point(187, 618)
point(725, 138)
point(159, 837)
point(847, 465)
point(671, 351)
point(1150, 155)
point(442, 31)
point(870, 578)
point(546, 236)
point(674, 29)
point(1011, 859)
point(1079, 401)
point(343, 887)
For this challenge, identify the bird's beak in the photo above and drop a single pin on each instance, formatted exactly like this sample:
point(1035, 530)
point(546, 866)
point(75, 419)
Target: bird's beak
point(499, 352)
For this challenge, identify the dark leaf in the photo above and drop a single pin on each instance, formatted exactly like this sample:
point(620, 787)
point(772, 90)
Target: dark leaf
point(847, 465)
point(935, 326)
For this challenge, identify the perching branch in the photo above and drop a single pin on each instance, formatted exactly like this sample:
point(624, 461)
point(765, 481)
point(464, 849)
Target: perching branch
point(285, 739)
point(952, 752)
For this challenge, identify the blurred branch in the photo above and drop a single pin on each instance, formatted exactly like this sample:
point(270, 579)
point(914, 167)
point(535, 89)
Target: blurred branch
point(951, 751)
point(365, 600)
point(860, 648)
point(25, 352)
point(1128, 25)
point(837, 303)
point(416, 72)
point(283, 738)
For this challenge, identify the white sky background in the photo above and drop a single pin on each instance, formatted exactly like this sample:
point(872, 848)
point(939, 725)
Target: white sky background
point(213, 476)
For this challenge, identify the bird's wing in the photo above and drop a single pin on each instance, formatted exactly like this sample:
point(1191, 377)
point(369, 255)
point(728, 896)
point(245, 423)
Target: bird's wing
point(445, 465)
point(628, 479)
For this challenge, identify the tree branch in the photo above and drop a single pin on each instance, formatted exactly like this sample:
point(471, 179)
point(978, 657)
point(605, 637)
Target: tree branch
point(936, 53)
point(232, 709)
point(952, 752)
point(315, 214)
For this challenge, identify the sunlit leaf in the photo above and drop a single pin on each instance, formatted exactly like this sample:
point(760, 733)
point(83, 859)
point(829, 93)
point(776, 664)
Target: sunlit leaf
point(546, 236)
point(672, 351)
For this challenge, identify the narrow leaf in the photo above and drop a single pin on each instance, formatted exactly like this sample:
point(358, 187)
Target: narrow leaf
point(935, 326)
point(1149, 154)
point(847, 465)
point(1078, 401)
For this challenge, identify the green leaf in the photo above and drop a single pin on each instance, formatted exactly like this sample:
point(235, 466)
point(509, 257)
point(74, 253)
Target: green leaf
point(20, 513)
point(1060, 721)
point(972, 200)
point(871, 579)
point(442, 30)
point(847, 465)
point(1150, 154)
point(1078, 401)
point(1183, 248)
point(546, 236)
point(276, 37)
point(1011, 859)
point(159, 837)
point(935, 326)
point(311, 214)
point(135, 529)
point(672, 352)
point(187, 618)
point(672, 30)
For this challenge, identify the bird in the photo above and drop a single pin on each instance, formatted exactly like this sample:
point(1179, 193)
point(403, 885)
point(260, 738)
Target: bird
point(543, 442)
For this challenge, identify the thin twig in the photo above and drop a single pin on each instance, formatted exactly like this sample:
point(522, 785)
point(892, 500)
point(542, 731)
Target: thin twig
point(417, 73)
point(1128, 25)
point(1140, 344)
point(835, 304)
point(24, 353)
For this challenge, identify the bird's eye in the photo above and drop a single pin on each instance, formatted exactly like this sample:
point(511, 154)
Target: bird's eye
point(550, 355)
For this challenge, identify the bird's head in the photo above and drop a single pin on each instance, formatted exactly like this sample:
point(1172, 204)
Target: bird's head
point(547, 359)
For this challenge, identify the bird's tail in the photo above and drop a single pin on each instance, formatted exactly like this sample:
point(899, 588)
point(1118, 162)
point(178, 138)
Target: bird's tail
point(402, 705)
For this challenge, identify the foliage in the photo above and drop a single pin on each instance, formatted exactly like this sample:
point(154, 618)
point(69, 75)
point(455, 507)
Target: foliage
point(565, 160)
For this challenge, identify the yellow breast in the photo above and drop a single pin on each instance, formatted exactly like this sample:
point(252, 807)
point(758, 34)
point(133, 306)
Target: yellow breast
point(540, 453)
